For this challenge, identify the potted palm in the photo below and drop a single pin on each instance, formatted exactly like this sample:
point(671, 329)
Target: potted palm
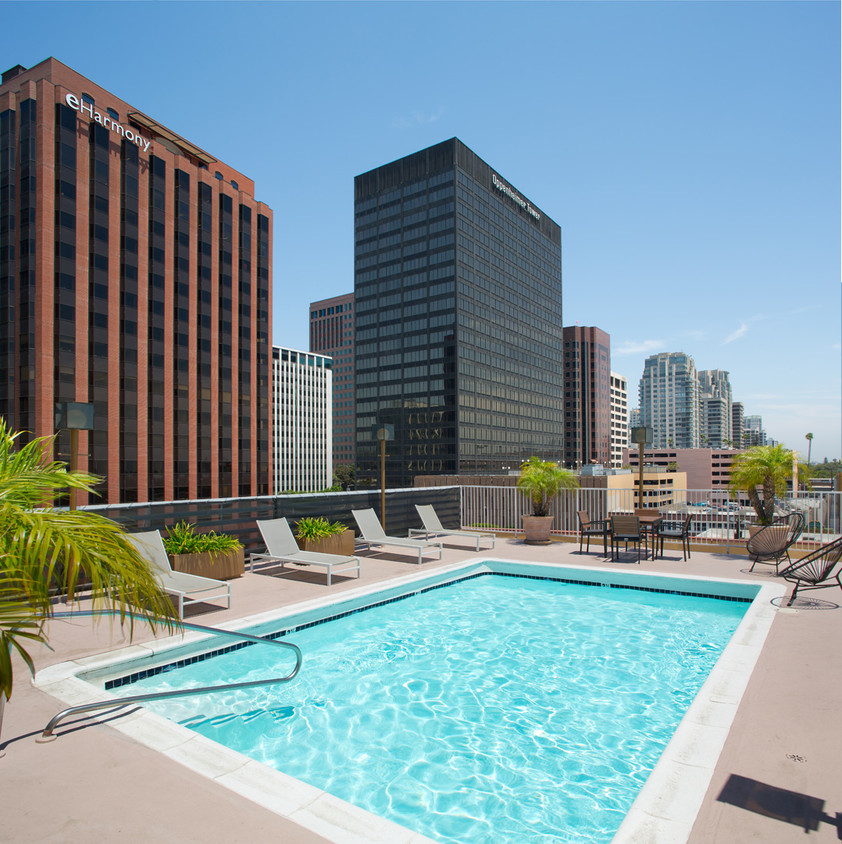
point(215, 555)
point(542, 480)
point(315, 533)
point(766, 468)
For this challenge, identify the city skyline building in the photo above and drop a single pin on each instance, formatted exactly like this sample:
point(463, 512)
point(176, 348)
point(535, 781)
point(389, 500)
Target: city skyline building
point(136, 276)
point(619, 418)
point(715, 408)
point(587, 396)
point(737, 424)
point(332, 333)
point(302, 420)
point(458, 301)
point(753, 433)
point(669, 400)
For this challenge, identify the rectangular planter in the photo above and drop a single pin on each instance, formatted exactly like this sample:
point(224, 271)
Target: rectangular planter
point(222, 565)
point(340, 543)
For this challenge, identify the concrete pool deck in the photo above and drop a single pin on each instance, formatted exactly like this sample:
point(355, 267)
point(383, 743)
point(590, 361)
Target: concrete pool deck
point(778, 776)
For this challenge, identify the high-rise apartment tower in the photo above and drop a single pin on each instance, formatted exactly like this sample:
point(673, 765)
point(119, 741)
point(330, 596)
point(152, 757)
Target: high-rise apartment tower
point(669, 400)
point(136, 275)
point(715, 408)
point(458, 318)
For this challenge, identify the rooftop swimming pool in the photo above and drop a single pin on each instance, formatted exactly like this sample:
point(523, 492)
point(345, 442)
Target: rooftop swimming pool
point(490, 701)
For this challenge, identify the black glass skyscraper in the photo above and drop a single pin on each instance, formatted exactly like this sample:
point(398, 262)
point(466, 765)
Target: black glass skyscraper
point(458, 324)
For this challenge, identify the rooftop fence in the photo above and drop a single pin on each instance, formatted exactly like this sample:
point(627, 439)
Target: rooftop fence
point(717, 519)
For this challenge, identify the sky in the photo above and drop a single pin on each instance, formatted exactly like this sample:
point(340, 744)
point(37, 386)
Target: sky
point(690, 152)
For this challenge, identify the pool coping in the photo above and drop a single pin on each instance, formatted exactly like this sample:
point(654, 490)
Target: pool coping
point(664, 810)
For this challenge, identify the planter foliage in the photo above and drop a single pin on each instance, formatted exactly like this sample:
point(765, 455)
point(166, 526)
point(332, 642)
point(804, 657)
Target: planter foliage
point(542, 481)
point(317, 527)
point(183, 539)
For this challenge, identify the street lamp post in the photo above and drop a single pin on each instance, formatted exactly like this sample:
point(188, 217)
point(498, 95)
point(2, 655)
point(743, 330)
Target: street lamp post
point(643, 437)
point(383, 433)
point(74, 416)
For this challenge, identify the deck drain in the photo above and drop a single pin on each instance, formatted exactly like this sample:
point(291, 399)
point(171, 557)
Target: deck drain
point(796, 758)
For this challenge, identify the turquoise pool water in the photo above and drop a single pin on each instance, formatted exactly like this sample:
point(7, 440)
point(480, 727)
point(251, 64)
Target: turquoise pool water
point(494, 709)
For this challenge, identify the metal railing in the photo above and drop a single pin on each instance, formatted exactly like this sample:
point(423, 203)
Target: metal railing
point(117, 703)
point(717, 518)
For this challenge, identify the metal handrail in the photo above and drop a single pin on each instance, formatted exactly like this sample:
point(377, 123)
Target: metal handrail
point(47, 735)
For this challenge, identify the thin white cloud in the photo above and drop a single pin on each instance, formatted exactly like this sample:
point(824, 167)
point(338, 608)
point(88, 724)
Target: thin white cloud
point(630, 347)
point(743, 329)
point(417, 118)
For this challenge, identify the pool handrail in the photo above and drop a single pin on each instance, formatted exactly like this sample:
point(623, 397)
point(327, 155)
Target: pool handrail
point(117, 703)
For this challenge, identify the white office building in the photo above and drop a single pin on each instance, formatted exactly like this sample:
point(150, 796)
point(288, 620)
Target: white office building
point(302, 420)
point(619, 405)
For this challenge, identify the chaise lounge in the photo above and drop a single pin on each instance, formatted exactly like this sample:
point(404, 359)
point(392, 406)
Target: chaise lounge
point(372, 534)
point(178, 583)
point(282, 548)
point(433, 527)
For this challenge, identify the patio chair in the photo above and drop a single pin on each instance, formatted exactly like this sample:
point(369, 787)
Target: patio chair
point(815, 570)
point(626, 529)
point(676, 530)
point(282, 548)
point(589, 528)
point(373, 534)
point(178, 583)
point(772, 543)
point(433, 527)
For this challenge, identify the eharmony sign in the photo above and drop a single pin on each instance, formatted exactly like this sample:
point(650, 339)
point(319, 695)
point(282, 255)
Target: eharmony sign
point(512, 195)
point(104, 120)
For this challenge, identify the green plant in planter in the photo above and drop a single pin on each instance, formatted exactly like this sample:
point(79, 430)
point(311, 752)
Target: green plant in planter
point(542, 480)
point(317, 527)
point(183, 539)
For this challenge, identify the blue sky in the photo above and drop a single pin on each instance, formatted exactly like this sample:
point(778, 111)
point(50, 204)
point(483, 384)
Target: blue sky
point(690, 152)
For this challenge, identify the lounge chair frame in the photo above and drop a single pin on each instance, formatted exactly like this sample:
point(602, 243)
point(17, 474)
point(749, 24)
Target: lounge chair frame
point(281, 549)
point(816, 570)
point(772, 543)
point(373, 535)
point(433, 527)
point(179, 584)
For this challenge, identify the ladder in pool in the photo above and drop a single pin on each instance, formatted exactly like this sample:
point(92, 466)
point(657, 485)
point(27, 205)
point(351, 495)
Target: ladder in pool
point(118, 703)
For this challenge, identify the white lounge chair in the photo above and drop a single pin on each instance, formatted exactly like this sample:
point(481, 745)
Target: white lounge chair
point(373, 534)
point(178, 583)
point(433, 527)
point(282, 548)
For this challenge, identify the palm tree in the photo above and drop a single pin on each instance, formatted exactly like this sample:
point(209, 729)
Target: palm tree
point(542, 481)
point(46, 552)
point(765, 466)
point(809, 438)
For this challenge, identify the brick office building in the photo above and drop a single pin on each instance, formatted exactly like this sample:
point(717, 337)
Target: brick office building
point(136, 275)
point(332, 333)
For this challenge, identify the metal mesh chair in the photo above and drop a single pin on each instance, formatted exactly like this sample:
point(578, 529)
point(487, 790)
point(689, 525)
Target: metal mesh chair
point(677, 530)
point(772, 543)
point(626, 529)
point(589, 528)
point(815, 571)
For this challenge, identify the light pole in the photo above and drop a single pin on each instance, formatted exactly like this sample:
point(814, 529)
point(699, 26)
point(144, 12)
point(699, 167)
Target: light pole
point(643, 437)
point(74, 416)
point(383, 433)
